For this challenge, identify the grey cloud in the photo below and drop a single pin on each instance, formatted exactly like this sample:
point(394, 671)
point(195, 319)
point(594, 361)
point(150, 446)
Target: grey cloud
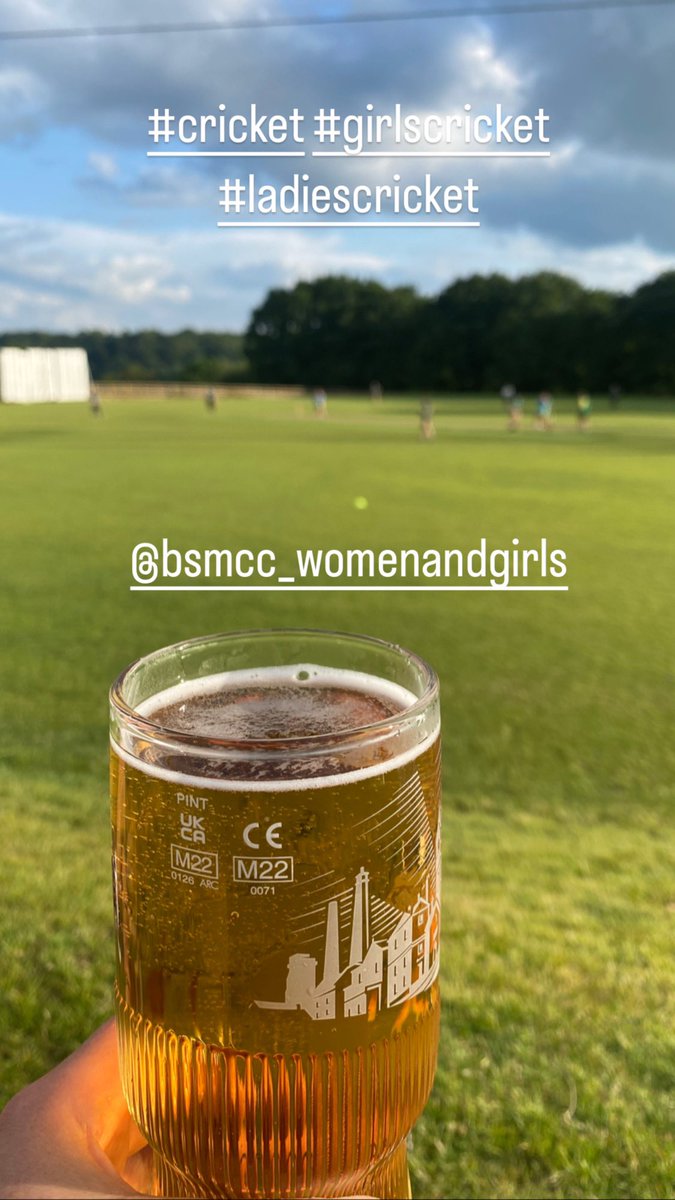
point(169, 186)
point(594, 199)
point(108, 85)
point(606, 78)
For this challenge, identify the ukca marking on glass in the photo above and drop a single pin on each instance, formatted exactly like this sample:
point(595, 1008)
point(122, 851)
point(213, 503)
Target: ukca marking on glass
point(276, 860)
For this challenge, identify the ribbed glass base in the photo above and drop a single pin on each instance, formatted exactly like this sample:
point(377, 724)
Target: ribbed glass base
point(386, 1181)
point(226, 1123)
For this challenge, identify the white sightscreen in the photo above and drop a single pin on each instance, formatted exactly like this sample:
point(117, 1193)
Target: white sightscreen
point(35, 375)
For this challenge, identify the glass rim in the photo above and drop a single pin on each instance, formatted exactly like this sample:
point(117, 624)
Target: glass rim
point(156, 731)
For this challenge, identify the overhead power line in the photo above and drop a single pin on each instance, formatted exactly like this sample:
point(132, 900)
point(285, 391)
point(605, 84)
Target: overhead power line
point(358, 18)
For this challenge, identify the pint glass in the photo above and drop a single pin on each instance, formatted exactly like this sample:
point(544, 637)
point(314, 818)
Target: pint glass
point(276, 856)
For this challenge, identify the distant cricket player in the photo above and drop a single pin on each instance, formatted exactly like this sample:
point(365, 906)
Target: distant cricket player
point(427, 427)
point(544, 417)
point(584, 407)
point(516, 406)
point(320, 402)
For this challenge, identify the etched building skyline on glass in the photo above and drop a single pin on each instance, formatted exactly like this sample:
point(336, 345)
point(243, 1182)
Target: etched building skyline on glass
point(381, 971)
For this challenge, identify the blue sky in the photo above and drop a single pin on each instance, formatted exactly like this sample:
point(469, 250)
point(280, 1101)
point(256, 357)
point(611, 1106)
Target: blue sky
point(93, 234)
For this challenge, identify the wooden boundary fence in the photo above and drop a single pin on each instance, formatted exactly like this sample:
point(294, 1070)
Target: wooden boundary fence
point(142, 390)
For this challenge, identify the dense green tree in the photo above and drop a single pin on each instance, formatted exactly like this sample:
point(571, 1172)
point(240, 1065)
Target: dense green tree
point(540, 331)
point(338, 331)
point(553, 334)
point(646, 336)
point(454, 338)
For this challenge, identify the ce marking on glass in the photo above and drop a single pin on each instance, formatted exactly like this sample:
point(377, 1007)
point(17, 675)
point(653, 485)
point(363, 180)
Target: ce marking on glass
point(267, 869)
point(271, 835)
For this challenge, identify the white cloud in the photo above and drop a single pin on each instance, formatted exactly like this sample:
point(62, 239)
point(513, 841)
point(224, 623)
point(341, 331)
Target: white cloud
point(103, 165)
point(602, 208)
point(619, 266)
point(487, 68)
point(138, 278)
point(68, 276)
point(22, 97)
point(18, 86)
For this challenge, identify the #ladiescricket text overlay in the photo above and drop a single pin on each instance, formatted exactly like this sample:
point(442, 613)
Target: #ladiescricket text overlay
point(161, 566)
point(417, 198)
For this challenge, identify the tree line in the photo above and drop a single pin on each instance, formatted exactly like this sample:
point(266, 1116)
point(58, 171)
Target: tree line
point(540, 331)
point(150, 356)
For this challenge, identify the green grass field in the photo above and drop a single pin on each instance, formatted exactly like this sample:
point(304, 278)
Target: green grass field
point(557, 1071)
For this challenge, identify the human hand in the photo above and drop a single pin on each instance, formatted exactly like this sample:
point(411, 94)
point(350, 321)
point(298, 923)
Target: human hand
point(70, 1133)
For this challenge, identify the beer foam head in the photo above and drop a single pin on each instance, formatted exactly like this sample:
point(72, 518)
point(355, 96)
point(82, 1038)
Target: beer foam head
point(276, 703)
point(280, 709)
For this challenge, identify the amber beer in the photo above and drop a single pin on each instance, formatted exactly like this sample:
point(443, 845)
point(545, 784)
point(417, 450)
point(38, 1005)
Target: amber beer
point(276, 856)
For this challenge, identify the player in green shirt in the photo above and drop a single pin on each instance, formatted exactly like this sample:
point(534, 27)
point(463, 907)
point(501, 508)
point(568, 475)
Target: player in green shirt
point(584, 407)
